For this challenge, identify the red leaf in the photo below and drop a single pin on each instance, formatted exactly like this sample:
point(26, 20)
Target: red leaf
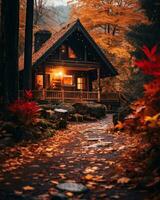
point(150, 66)
point(28, 95)
point(154, 49)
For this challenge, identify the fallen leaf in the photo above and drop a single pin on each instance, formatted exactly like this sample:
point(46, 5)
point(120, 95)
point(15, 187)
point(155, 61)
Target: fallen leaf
point(18, 192)
point(123, 180)
point(54, 182)
point(69, 194)
point(28, 188)
point(108, 186)
point(88, 177)
point(62, 166)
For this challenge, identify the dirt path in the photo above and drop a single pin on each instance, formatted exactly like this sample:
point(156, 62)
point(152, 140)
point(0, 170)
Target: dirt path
point(84, 153)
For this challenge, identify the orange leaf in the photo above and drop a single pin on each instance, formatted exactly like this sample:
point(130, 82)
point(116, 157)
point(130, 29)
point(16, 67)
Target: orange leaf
point(28, 188)
point(123, 180)
point(89, 177)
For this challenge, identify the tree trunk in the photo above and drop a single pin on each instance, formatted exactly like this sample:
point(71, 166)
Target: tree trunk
point(10, 32)
point(1, 52)
point(28, 46)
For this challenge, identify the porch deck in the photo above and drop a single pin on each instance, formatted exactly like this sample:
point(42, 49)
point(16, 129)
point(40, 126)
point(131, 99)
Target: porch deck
point(77, 96)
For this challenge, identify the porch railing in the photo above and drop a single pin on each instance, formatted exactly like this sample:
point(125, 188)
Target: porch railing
point(70, 95)
point(63, 95)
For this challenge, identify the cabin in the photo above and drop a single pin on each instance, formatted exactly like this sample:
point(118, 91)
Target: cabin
point(65, 65)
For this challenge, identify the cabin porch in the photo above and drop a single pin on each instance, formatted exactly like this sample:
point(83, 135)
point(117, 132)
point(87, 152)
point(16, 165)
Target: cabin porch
point(74, 96)
point(66, 82)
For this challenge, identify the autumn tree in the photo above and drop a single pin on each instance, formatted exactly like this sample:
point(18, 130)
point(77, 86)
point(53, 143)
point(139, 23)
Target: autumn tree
point(108, 21)
point(39, 10)
point(46, 17)
point(140, 35)
point(1, 50)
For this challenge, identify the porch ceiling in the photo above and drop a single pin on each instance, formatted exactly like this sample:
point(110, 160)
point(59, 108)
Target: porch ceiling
point(73, 68)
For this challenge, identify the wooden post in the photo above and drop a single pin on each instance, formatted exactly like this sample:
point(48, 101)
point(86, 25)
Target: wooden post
point(44, 77)
point(99, 90)
point(62, 88)
point(43, 94)
point(44, 83)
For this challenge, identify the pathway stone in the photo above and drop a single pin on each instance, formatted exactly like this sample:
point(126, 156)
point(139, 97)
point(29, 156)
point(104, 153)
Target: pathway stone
point(99, 144)
point(73, 154)
point(72, 187)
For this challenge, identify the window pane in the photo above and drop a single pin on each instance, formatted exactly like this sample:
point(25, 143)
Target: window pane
point(71, 53)
point(39, 81)
point(68, 80)
point(81, 83)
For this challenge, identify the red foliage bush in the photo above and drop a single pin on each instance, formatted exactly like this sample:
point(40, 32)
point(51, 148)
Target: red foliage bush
point(151, 65)
point(149, 106)
point(28, 95)
point(25, 111)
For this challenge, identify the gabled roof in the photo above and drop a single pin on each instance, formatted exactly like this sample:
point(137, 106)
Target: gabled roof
point(58, 38)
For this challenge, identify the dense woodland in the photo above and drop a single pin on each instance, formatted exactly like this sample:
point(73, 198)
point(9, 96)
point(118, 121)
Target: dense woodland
point(128, 31)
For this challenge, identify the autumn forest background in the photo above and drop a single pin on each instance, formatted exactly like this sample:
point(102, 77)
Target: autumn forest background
point(128, 32)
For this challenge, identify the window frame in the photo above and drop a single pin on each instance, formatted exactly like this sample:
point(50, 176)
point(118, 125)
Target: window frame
point(67, 76)
point(81, 84)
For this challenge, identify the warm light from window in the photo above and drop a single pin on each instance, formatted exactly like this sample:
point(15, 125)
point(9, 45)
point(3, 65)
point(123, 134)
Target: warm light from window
point(71, 53)
point(59, 74)
point(81, 83)
point(68, 80)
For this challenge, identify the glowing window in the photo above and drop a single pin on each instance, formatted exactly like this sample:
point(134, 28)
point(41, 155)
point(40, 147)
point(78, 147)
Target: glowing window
point(81, 83)
point(71, 53)
point(68, 80)
point(39, 81)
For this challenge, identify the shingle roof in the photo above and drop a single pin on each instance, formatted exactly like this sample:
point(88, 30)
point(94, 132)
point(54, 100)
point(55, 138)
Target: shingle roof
point(57, 38)
point(47, 45)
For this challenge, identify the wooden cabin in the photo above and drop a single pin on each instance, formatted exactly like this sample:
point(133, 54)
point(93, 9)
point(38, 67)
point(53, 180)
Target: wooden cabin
point(65, 64)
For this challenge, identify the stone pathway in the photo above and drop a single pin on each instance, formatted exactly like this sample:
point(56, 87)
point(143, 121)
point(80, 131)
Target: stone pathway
point(83, 154)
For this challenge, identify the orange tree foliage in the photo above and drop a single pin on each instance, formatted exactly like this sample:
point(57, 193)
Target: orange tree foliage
point(108, 21)
point(146, 111)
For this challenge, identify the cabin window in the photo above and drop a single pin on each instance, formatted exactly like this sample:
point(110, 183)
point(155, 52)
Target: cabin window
point(68, 79)
point(71, 53)
point(63, 52)
point(81, 83)
point(39, 81)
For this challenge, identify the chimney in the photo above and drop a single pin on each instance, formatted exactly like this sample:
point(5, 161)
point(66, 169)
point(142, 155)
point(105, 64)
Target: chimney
point(40, 38)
